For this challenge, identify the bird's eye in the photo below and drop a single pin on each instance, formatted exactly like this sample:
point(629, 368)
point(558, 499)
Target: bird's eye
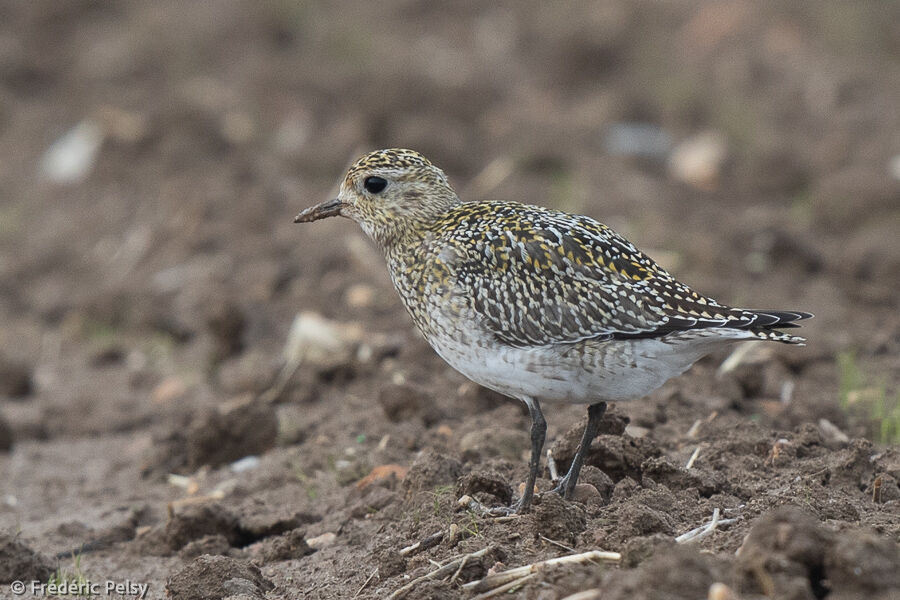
point(374, 185)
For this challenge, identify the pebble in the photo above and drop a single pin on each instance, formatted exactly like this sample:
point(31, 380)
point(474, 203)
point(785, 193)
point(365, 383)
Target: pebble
point(169, 390)
point(71, 158)
point(248, 463)
point(698, 160)
point(637, 139)
point(319, 341)
point(321, 541)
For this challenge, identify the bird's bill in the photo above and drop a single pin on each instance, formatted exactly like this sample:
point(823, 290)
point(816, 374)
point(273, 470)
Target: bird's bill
point(329, 208)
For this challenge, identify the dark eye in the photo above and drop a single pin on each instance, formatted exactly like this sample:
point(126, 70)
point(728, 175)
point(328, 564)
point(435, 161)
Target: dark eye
point(374, 185)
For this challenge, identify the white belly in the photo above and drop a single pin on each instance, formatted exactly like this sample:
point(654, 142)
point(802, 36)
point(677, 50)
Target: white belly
point(581, 373)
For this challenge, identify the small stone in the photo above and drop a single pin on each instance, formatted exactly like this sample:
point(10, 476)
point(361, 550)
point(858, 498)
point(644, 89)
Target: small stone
point(71, 158)
point(248, 463)
point(318, 341)
point(832, 434)
point(360, 296)
point(720, 591)
point(322, 541)
point(169, 390)
point(698, 160)
point(645, 140)
point(636, 431)
point(585, 493)
point(599, 480)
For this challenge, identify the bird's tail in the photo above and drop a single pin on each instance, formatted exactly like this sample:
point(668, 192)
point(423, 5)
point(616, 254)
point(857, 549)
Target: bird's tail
point(768, 322)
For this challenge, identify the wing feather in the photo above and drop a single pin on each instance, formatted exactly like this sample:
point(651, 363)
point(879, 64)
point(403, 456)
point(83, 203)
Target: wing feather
point(538, 276)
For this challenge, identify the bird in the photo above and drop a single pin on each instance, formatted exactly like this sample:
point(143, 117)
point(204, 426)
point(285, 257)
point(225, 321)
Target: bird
point(537, 304)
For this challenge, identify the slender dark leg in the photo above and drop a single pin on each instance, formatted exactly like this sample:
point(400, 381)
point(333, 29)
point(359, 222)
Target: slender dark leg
point(538, 433)
point(566, 485)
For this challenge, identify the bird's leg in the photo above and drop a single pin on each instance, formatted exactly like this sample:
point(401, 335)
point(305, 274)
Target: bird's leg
point(566, 485)
point(538, 433)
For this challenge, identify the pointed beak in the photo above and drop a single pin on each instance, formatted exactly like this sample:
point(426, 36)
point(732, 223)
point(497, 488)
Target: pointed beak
point(329, 208)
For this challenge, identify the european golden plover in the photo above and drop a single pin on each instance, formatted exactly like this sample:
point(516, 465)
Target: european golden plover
point(534, 303)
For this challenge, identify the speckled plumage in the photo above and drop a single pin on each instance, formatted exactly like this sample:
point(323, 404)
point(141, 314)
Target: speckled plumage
point(535, 303)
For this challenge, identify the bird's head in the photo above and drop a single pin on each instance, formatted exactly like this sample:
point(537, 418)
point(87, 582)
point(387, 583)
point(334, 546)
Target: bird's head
point(391, 193)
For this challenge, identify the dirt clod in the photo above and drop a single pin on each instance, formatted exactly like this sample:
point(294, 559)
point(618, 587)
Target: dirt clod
point(642, 520)
point(557, 519)
point(597, 478)
point(241, 427)
point(863, 565)
point(402, 402)
point(485, 482)
point(662, 470)
point(214, 577)
point(15, 378)
point(390, 562)
point(784, 555)
point(638, 549)
point(666, 570)
point(226, 322)
point(196, 521)
point(286, 546)
point(18, 562)
point(257, 520)
point(430, 470)
point(208, 544)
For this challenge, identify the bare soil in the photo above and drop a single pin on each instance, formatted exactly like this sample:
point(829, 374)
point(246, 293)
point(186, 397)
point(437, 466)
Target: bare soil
point(145, 308)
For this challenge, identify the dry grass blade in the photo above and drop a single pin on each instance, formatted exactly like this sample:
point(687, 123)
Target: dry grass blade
point(499, 579)
point(693, 458)
point(432, 540)
point(504, 588)
point(593, 594)
point(551, 465)
point(366, 583)
point(698, 533)
point(447, 569)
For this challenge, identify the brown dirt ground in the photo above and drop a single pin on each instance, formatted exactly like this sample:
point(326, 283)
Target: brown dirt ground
point(144, 309)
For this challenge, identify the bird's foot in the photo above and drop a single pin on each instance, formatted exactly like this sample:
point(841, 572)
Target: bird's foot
point(563, 489)
point(516, 508)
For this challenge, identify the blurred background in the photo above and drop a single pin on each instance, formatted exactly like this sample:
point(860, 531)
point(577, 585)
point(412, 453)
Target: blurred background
point(153, 155)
